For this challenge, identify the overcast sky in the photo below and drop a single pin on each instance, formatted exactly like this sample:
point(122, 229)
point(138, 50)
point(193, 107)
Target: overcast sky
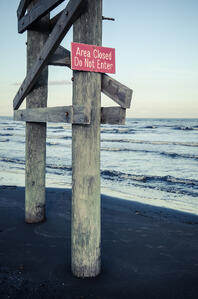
point(156, 55)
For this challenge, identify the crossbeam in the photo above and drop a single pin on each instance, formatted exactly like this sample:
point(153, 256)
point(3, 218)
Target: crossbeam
point(54, 20)
point(67, 18)
point(40, 9)
point(61, 57)
point(66, 114)
point(118, 92)
point(22, 8)
point(113, 115)
point(70, 114)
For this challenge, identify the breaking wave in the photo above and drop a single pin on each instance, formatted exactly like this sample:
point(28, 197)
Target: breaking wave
point(161, 183)
point(186, 128)
point(117, 131)
point(165, 154)
point(117, 175)
point(191, 144)
point(10, 160)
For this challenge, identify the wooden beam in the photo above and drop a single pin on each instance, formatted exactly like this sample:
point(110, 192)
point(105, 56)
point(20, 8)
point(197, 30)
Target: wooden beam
point(22, 8)
point(118, 92)
point(35, 146)
point(113, 115)
point(71, 12)
point(86, 213)
point(54, 20)
point(61, 57)
point(70, 114)
point(65, 114)
point(39, 10)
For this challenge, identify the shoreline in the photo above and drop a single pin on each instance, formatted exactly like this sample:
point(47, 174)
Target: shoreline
point(147, 251)
point(115, 195)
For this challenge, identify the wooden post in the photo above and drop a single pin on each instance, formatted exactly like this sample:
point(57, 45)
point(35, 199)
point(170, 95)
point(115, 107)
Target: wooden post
point(86, 223)
point(36, 133)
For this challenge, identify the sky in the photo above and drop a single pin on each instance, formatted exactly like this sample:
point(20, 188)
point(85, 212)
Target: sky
point(156, 55)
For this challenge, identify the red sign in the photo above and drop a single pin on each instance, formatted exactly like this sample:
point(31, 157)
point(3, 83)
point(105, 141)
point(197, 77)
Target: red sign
point(91, 58)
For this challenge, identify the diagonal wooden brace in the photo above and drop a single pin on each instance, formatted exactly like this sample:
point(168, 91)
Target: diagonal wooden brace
point(40, 9)
point(67, 18)
point(22, 8)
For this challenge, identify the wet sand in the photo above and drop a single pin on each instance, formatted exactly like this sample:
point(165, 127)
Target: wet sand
point(147, 252)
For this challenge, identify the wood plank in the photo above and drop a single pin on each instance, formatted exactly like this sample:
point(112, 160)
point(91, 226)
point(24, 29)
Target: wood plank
point(22, 8)
point(39, 10)
point(63, 25)
point(86, 226)
point(118, 92)
point(113, 115)
point(54, 20)
point(70, 114)
point(35, 148)
point(65, 114)
point(61, 57)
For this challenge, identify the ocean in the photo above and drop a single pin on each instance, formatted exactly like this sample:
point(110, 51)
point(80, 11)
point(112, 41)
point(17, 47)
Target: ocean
point(152, 161)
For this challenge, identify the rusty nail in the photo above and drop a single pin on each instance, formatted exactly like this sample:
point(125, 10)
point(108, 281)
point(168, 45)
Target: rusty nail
point(67, 13)
point(66, 114)
point(72, 79)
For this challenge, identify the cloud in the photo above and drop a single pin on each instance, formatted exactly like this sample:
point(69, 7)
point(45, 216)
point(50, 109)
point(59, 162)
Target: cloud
point(51, 82)
point(60, 82)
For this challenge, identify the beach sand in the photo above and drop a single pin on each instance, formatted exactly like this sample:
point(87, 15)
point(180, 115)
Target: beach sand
point(147, 252)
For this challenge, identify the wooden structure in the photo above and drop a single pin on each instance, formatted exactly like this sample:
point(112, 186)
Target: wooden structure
point(85, 115)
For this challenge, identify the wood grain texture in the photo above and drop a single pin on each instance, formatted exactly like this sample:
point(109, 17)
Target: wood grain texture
point(35, 151)
point(113, 115)
point(118, 92)
point(61, 57)
point(70, 114)
point(54, 20)
point(39, 10)
point(22, 8)
point(65, 114)
point(64, 23)
point(86, 232)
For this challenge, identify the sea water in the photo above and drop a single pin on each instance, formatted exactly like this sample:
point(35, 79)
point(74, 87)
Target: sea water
point(153, 161)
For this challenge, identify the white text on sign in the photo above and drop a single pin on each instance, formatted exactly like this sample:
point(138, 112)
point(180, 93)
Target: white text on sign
point(92, 58)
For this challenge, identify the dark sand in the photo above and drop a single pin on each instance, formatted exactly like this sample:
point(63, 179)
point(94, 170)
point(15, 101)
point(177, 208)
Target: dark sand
point(147, 252)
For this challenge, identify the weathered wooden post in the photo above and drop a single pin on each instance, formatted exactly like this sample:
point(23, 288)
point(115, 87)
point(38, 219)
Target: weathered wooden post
point(85, 115)
point(86, 231)
point(36, 132)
